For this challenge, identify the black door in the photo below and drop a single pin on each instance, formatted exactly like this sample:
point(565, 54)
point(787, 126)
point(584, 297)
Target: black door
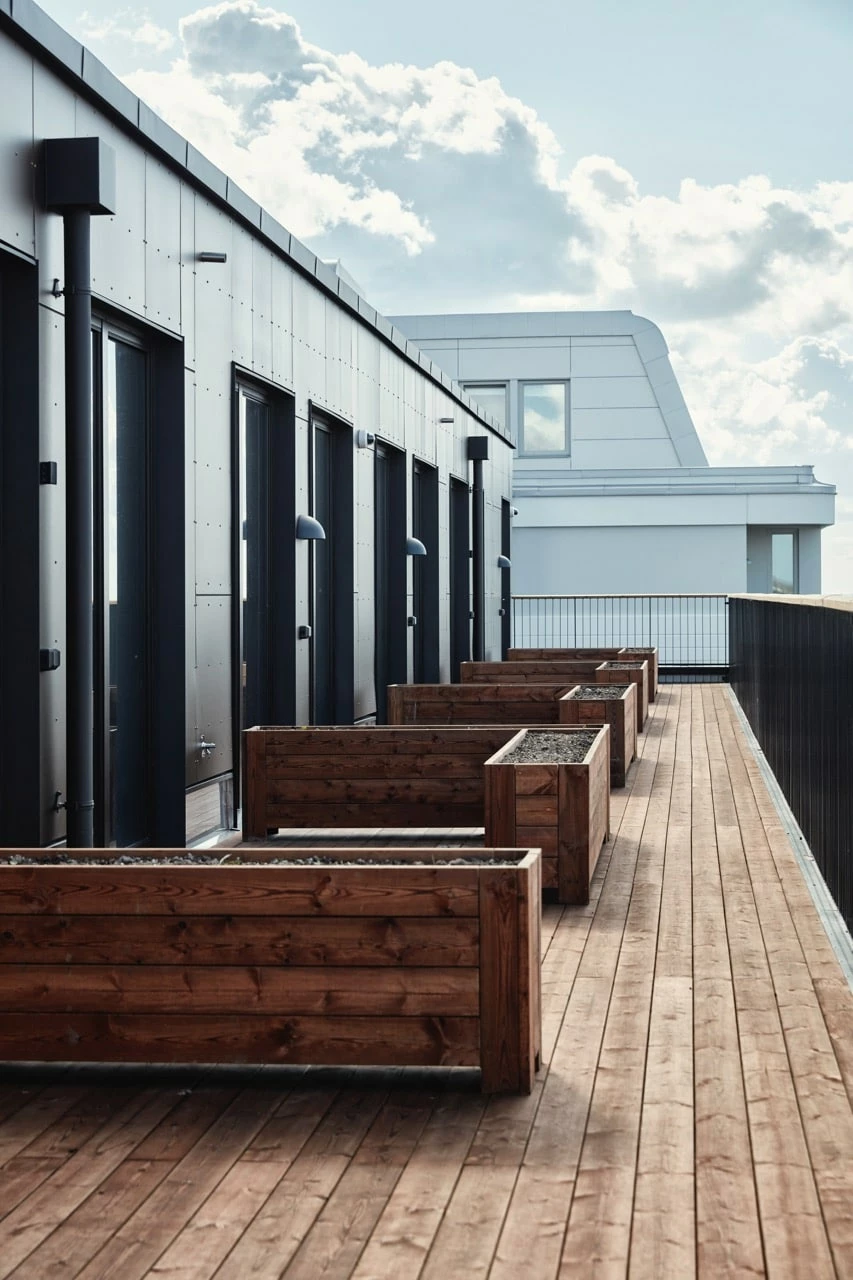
point(122, 605)
point(506, 578)
point(254, 666)
point(333, 575)
point(390, 574)
point(425, 656)
point(460, 577)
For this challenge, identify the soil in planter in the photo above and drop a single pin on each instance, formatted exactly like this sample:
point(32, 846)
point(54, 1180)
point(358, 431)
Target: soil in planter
point(234, 860)
point(622, 666)
point(600, 691)
point(540, 747)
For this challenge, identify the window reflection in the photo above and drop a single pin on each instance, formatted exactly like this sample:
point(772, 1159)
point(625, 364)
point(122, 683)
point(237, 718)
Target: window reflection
point(783, 567)
point(543, 417)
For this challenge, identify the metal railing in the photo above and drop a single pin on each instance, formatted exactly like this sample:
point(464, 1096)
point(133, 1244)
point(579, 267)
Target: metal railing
point(689, 631)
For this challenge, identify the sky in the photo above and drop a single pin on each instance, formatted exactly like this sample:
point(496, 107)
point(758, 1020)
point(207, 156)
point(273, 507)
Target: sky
point(686, 159)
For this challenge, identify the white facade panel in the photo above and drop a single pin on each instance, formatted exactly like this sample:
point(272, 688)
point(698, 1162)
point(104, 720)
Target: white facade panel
point(606, 361)
point(612, 393)
point(635, 453)
point(491, 363)
point(618, 424)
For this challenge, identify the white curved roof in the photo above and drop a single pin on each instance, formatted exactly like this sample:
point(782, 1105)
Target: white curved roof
point(626, 401)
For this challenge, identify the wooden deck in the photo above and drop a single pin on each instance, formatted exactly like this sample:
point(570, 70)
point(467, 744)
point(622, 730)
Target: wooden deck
point(693, 1116)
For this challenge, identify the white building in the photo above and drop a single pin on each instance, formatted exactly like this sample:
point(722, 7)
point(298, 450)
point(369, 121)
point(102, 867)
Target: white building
point(612, 486)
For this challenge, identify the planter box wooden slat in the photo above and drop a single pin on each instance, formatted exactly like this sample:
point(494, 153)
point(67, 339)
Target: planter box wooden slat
point(577, 816)
point(650, 655)
point(410, 961)
point(474, 703)
point(534, 654)
point(619, 713)
point(256, 940)
point(527, 672)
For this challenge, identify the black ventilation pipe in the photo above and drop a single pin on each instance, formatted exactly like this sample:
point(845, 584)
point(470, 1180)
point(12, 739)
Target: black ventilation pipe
point(478, 453)
point(79, 180)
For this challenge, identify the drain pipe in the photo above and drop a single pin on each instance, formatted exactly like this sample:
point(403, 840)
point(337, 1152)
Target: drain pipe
point(478, 453)
point(79, 180)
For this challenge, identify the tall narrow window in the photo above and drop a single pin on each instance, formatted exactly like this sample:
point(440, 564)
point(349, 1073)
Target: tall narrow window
point(333, 572)
point(390, 633)
point(544, 418)
point(425, 659)
point(253, 446)
point(783, 564)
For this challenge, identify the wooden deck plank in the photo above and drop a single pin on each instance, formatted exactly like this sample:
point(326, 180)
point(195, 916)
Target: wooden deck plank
point(728, 1232)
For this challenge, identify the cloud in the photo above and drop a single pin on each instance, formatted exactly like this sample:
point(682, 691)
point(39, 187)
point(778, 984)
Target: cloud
point(441, 191)
point(130, 26)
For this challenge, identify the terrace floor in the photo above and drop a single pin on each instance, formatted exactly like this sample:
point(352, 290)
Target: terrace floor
point(693, 1115)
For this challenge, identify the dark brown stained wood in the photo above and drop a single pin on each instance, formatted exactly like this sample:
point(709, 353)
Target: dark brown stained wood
point(254, 770)
point(216, 940)
point(537, 780)
point(544, 838)
point(384, 741)
point(381, 1041)
point(620, 714)
point(413, 793)
point(335, 771)
point(574, 857)
point(563, 655)
point(456, 704)
point(572, 671)
point(247, 890)
point(535, 811)
point(500, 805)
point(638, 674)
point(501, 1014)
point(197, 989)
point(374, 813)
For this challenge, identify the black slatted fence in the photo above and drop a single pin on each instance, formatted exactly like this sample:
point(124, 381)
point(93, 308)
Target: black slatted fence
point(791, 667)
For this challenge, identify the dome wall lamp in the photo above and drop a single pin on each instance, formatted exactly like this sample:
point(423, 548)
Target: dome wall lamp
point(504, 562)
point(308, 527)
point(414, 547)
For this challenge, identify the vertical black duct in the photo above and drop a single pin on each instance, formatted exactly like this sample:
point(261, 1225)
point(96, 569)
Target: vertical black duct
point(79, 180)
point(478, 453)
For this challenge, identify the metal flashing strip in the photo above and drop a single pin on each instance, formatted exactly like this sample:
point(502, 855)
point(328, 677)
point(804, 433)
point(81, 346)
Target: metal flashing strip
point(830, 917)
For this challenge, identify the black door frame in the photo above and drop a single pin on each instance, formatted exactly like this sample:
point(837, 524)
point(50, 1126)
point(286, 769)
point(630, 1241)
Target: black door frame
point(426, 666)
point(340, 545)
point(280, 446)
point(459, 498)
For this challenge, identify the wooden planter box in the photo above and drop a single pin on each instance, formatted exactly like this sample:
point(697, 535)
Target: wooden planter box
point(623, 671)
point(521, 704)
point(406, 962)
point(399, 777)
point(593, 653)
point(619, 712)
point(533, 672)
point(649, 655)
point(562, 808)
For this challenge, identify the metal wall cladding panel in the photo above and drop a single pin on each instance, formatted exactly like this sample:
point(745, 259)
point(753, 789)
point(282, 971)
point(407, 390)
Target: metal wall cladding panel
point(617, 361)
point(309, 340)
point(53, 117)
point(262, 322)
point(282, 323)
point(213, 495)
point(118, 240)
point(212, 288)
point(188, 274)
point(213, 682)
point(52, 568)
point(499, 364)
point(612, 393)
point(340, 358)
point(17, 190)
point(162, 246)
point(240, 259)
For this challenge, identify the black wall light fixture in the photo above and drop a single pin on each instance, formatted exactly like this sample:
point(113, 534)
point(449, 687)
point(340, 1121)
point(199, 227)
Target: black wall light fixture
point(209, 255)
point(310, 529)
point(414, 547)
